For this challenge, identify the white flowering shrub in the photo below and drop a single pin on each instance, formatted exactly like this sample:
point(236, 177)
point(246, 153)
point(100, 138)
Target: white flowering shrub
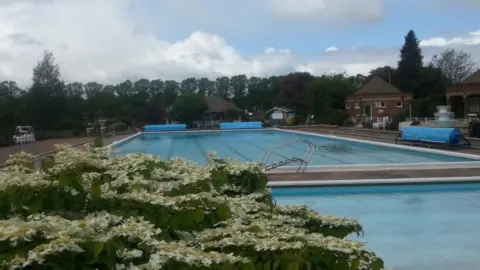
point(85, 209)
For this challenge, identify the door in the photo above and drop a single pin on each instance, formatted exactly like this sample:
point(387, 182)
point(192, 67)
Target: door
point(367, 110)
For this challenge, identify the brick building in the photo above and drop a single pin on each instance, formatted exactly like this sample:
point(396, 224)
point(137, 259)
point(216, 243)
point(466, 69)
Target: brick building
point(464, 97)
point(377, 98)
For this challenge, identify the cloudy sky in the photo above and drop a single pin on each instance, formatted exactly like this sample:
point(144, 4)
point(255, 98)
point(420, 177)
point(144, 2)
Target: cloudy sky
point(111, 40)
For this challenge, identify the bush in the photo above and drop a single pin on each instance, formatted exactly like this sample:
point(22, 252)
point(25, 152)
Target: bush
point(416, 123)
point(98, 141)
point(120, 127)
point(299, 119)
point(291, 121)
point(87, 210)
point(335, 117)
point(266, 124)
point(348, 123)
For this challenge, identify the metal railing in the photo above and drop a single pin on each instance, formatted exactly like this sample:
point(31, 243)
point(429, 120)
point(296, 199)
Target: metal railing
point(302, 160)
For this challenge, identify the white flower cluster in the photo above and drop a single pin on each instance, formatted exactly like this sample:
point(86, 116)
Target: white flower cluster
point(178, 185)
point(231, 166)
point(62, 235)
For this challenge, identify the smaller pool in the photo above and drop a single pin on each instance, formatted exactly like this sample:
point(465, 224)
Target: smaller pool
point(428, 227)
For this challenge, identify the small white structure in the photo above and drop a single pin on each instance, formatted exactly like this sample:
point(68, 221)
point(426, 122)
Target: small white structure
point(443, 113)
point(24, 135)
point(280, 114)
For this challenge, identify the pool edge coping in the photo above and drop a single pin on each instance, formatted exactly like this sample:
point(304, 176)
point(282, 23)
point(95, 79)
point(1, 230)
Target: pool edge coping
point(115, 143)
point(352, 167)
point(365, 182)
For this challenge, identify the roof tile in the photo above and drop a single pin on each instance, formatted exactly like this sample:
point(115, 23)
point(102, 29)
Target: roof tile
point(378, 86)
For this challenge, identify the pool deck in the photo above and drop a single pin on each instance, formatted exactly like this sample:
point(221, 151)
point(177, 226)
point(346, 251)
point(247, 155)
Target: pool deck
point(48, 146)
point(360, 175)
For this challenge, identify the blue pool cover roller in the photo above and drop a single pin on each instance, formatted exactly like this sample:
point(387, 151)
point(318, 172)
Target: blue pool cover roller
point(158, 128)
point(450, 136)
point(241, 125)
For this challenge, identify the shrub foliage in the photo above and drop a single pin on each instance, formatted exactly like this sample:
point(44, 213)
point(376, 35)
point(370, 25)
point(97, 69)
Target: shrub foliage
point(85, 209)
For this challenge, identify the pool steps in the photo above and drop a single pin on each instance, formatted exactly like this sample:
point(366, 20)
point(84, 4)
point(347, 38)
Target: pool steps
point(302, 160)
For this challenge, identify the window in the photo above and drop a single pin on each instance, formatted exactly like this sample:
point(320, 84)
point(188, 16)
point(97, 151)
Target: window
point(348, 106)
point(357, 106)
point(399, 104)
point(380, 104)
point(475, 105)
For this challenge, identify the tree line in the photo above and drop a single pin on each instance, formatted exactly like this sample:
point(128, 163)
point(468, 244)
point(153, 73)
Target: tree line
point(55, 108)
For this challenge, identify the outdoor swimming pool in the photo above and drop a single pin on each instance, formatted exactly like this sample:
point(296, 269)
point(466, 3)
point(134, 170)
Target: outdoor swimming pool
point(251, 146)
point(411, 227)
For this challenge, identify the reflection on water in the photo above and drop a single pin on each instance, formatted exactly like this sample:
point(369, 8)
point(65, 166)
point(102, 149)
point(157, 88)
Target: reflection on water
point(414, 201)
point(335, 148)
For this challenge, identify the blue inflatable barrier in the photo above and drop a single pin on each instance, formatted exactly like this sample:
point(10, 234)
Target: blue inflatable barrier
point(241, 125)
point(158, 128)
point(449, 136)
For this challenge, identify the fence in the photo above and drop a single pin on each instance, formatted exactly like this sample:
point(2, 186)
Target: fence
point(433, 119)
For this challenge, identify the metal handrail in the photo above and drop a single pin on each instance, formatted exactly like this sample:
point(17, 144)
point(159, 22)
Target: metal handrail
point(306, 157)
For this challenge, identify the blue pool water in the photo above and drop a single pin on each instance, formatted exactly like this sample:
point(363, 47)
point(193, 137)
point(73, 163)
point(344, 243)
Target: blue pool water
point(428, 227)
point(251, 145)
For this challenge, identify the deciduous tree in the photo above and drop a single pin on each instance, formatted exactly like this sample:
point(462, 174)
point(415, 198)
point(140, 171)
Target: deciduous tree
point(456, 65)
point(188, 108)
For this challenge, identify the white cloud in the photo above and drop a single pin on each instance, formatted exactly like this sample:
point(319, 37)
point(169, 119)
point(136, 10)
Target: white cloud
point(473, 38)
point(337, 10)
point(332, 49)
point(102, 41)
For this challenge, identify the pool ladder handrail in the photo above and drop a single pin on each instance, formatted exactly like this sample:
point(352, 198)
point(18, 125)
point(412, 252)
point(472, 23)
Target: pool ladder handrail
point(303, 161)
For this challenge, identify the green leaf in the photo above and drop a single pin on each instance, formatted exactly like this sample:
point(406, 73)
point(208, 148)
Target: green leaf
point(248, 266)
point(96, 191)
point(198, 215)
point(227, 266)
point(307, 264)
point(223, 211)
point(35, 204)
point(64, 180)
point(341, 264)
point(97, 248)
point(112, 248)
point(161, 220)
point(293, 266)
point(47, 163)
point(354, 264)
point(175, 221)
point(276, 264)
point(378, 264)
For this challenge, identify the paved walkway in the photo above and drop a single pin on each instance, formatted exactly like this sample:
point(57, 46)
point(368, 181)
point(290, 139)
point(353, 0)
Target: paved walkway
point(43, 147)
point(390, 174)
